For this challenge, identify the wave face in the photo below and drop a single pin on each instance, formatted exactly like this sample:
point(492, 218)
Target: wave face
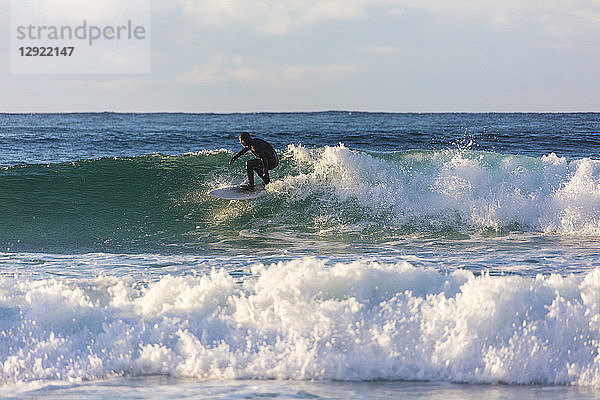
point(305, 319)
point(329, 193)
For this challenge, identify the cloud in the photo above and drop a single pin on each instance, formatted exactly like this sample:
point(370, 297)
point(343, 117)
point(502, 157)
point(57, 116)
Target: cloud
point(384, 50)
point(281, 17)
point(316, 71)
point(73, 11)
point(201, 74)
point(554, 16)
point(276, 17)
point(224, 69)
point(217, 69)
point(104, 85)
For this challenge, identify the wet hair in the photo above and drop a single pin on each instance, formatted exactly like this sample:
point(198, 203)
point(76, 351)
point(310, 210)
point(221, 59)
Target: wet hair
point(245, 137)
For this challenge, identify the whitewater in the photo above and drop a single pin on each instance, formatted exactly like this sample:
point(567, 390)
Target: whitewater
point(426, 269)
point(305, 319)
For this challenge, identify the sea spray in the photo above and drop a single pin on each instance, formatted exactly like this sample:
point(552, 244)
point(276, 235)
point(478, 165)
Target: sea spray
point(485, 190)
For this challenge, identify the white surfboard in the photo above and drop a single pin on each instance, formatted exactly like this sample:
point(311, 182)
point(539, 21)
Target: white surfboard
point(238, 192)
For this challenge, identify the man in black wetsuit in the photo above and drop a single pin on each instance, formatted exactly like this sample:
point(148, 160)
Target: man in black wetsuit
point(267, 158)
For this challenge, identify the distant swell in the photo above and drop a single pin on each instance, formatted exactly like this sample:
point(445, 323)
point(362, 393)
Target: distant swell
point(305, 320)
point(331, 193)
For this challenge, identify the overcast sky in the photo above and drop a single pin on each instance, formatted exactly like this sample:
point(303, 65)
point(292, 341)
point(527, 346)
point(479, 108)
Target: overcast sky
point(305, 55)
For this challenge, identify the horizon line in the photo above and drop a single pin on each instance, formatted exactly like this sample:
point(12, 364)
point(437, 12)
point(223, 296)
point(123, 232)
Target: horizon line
point(294, 112)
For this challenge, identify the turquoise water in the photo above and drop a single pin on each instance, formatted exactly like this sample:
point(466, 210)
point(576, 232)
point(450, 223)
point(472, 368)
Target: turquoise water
point(394, 255)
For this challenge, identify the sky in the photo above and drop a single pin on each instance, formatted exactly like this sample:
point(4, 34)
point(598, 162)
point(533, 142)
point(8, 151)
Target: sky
point(312, 55)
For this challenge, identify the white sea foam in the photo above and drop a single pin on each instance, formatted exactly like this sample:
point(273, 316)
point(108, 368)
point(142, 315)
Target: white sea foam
point(305, 319)
point(487, 190)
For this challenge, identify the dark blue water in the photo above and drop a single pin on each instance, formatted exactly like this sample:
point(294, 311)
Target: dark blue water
point(49, 138)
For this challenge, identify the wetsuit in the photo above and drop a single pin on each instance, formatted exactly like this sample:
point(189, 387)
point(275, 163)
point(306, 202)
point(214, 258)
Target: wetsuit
point(267, 160)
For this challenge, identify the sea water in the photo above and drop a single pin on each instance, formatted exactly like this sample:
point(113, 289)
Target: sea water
point(394, 256)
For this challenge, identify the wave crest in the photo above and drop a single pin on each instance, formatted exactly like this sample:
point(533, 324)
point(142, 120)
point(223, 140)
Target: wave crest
point(485, 190)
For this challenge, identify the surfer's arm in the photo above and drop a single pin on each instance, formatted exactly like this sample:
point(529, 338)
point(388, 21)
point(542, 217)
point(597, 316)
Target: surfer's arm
point(243, 151)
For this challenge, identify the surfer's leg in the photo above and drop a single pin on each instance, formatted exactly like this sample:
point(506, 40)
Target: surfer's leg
point(259, 170)
point(251, 166)
point(250, 172)
point(265, 177)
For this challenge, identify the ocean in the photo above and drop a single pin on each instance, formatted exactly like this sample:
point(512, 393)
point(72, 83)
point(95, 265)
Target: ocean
point(412, 256)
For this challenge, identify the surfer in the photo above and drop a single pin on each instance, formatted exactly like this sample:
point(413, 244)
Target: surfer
point(267, 158)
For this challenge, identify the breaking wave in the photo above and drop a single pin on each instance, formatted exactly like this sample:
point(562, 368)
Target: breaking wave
point(305, 319)
point(161, 202)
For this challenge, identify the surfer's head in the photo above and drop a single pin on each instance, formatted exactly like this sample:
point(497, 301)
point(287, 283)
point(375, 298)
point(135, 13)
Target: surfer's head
point(245, 139)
